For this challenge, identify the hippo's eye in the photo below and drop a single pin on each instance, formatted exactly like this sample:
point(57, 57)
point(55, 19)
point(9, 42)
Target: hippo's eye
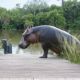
point(25, 37)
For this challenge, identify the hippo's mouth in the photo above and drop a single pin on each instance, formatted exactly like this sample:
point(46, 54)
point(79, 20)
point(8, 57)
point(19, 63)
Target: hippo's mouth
point(22, 46)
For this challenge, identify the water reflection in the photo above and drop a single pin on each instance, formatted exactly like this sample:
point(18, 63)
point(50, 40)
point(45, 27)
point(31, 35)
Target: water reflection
point(14, 37)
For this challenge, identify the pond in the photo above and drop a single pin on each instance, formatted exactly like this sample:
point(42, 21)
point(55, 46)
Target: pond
point(14, 36)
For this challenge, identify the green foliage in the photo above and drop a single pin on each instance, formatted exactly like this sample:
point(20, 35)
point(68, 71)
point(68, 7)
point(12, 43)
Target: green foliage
point(56, 19)
point(4, 17)
point(16, 18)
point(35, 7)
point(72, 14)
point(38, 12)
point(28, 20)
point(41, 18)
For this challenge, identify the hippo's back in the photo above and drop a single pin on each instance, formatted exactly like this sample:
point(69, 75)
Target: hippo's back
point(54, 35)
point(47, 33)
point(51, 31)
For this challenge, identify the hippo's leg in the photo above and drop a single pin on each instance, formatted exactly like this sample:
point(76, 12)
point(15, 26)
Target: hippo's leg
point(56, 50)
point(45, 49)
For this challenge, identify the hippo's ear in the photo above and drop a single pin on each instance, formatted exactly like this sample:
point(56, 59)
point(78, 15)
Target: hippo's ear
point(28, 30)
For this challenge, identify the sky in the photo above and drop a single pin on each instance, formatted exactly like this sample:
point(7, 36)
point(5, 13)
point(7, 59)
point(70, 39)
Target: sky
point(9, 4)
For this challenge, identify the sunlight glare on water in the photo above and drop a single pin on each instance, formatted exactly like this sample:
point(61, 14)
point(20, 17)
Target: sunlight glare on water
point(17, 50)
point(14, 40)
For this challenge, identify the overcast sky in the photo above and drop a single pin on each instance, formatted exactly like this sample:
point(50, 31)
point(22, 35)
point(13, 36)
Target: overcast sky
point(9, 4)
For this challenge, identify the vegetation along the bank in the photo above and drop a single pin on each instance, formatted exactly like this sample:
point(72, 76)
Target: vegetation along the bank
point(38, 12)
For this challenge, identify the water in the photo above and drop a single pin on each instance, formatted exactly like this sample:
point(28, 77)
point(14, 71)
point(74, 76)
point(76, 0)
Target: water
point(14, 37)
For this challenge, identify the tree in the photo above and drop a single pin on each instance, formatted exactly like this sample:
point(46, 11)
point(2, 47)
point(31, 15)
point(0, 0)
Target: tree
point(41, 18)
point(56, 19)
point(72, 14)
point(4, 18)
point(3, 13)
point(35, 6)
point(28, 20)
point(16, 18)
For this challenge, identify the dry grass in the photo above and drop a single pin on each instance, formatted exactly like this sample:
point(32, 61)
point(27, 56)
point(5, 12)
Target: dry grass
point(71, 52)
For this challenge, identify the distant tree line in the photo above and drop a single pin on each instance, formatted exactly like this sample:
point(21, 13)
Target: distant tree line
point(38, 12)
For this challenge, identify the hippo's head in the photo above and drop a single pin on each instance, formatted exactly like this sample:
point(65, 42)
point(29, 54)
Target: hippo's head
point(28, 37)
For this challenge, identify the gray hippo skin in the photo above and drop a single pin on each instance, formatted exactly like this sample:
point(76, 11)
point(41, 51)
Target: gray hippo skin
point(50, 37)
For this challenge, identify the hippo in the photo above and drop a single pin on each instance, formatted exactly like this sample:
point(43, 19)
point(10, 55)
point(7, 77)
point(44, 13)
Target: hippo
point(50, 37)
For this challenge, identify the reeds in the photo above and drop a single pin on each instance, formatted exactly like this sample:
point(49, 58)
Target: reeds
point(71, 52)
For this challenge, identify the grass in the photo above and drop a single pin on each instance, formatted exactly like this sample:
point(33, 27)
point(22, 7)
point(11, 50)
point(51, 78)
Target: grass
point(71, 52)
